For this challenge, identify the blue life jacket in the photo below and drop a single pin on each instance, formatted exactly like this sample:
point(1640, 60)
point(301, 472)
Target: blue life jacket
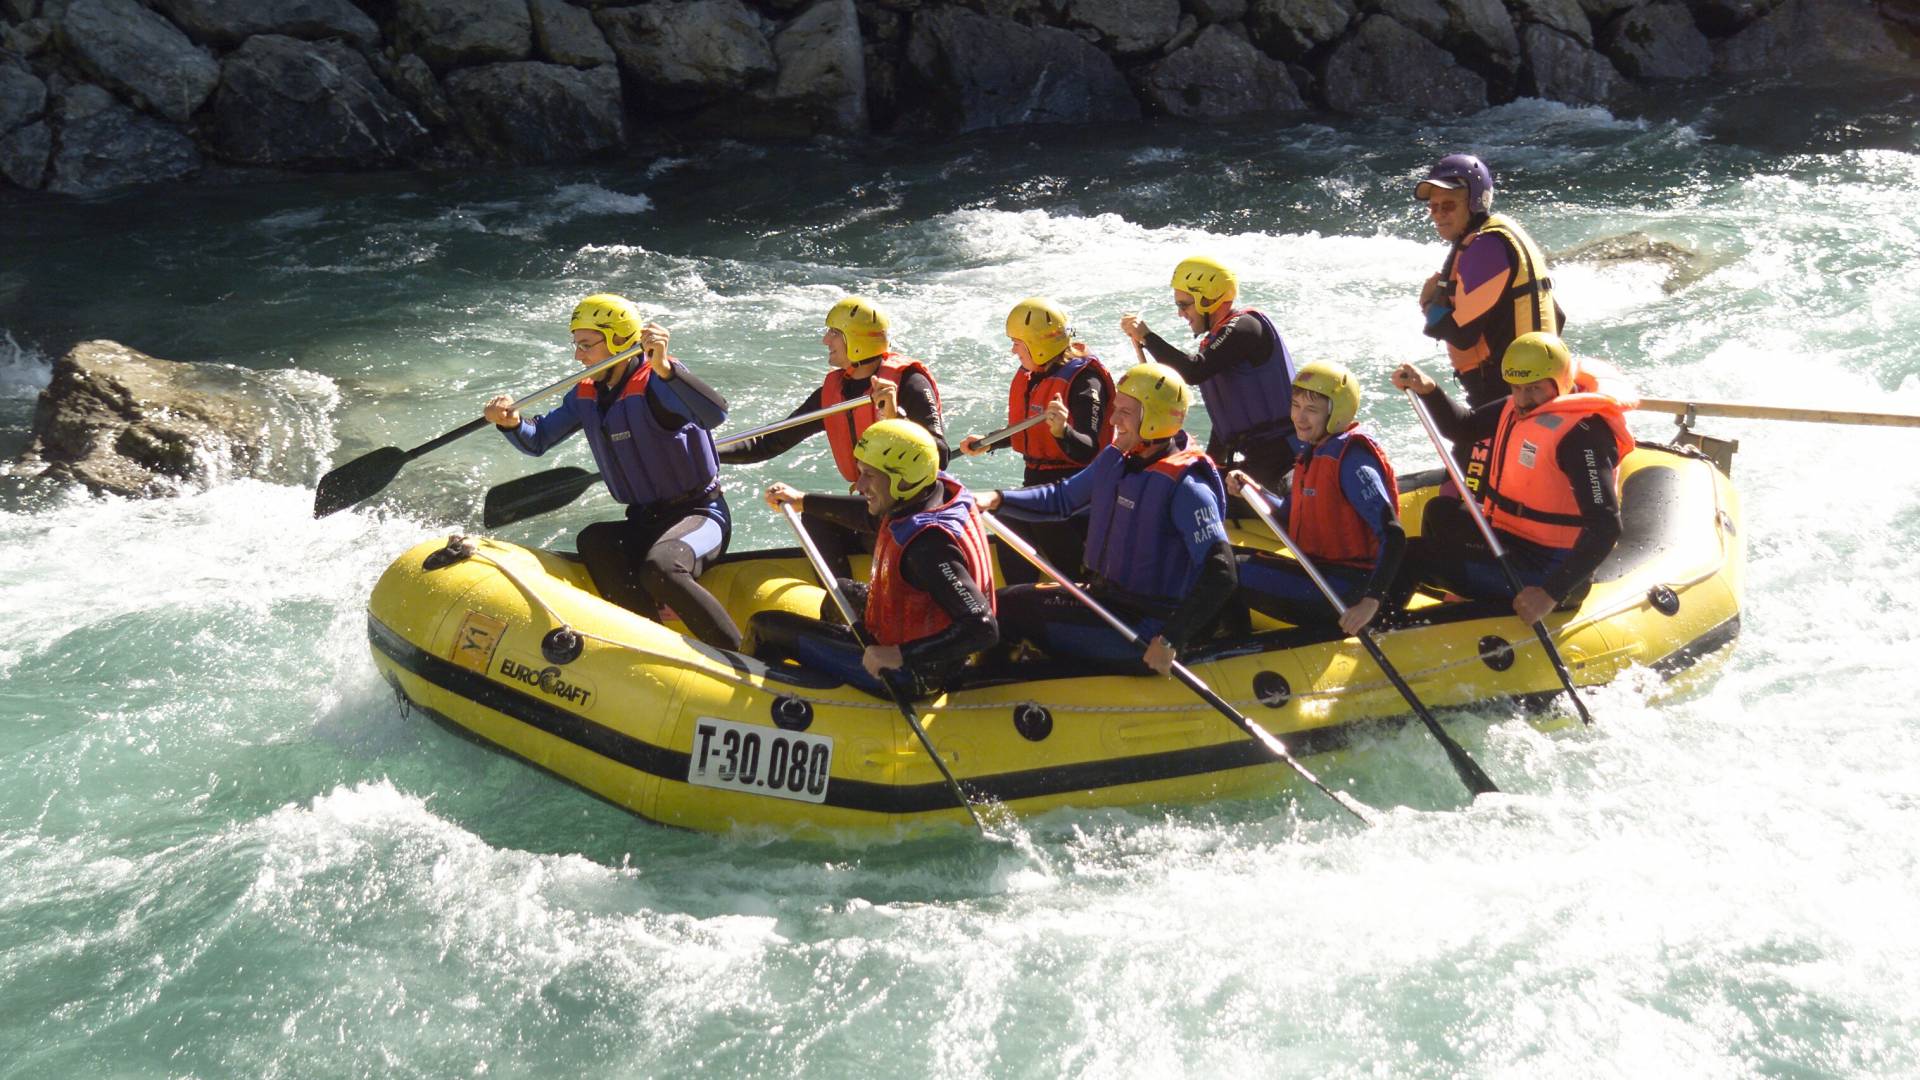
point(642, 462)
point(1250, 398)
point(1133, 543)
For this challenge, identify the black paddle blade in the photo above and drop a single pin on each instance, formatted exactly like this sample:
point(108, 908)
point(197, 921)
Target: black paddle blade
point(531, 496)
point(357, 479)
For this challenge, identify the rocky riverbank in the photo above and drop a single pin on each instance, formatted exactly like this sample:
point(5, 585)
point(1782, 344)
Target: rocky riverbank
point(97, 95)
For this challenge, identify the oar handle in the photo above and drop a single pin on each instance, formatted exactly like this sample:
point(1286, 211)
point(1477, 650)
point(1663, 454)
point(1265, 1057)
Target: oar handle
point(1466, 494)
point(1001, 435)
point(1262, 509)
point(791, 422)
point(1738, 410)
point(573, 379)
point(828, 580)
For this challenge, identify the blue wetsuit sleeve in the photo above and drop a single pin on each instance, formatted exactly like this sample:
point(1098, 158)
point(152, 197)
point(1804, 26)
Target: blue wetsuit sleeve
point(1363, 483)
point(685, 395)
point(1057, 501)
point(1199, 517)
point(540, 434)
point(1198, 514)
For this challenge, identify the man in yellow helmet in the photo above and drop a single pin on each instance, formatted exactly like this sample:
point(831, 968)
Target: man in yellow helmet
point(1060, 379)
point(1343, 511)
point(930, 604)
point(1157, 554)
point(862, 363)
point(1242, 368)
point(1552, 492)
point(649, 424)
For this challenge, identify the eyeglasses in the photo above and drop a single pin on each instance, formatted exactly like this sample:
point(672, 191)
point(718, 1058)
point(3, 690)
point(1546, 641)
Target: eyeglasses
point(1182, 305)
point(583, 346)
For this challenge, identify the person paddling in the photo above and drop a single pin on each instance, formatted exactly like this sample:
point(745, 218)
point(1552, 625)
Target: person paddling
point(1552, 490)
point(862, 363)
point(1059, 379)
point(929, 604)
point(1242, 368)
point(649, 425)
point(1343, 510)
point(1156, 552)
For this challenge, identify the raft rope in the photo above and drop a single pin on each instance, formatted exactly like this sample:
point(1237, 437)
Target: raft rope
point(763, 686)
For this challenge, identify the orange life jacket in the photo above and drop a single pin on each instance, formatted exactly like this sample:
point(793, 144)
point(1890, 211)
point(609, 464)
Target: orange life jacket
point(898, 613)
point(1319, 517)
point(1529, 292)
point(1527, 494)
point(844, 429)
point(1028, 396)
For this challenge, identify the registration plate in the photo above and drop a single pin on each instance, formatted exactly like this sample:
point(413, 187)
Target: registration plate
point(764, 761)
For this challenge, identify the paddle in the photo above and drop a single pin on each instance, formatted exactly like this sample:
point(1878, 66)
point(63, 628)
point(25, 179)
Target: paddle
point(544, 492)
point(366, 475)
point(832, 585)
point(1499, 552)
point(992, 439)
point(1179, 671)
point(1470, 773)
point(1743, 411)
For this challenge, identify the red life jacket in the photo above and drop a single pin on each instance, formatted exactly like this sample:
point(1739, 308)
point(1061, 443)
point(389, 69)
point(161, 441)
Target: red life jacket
point(1028, 396)
point(1319, 517)
point(898, 613)
point(844, 429)
point(1527, 494)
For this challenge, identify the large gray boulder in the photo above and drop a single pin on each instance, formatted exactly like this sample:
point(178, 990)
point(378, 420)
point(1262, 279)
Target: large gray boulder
point(1659, 41)
point(1220, 74)
point(1386, 67)
point(1560, 68)
point(104, 145)
point(23, 97)
point(143, 56)
point(1483, 30)
point(971, 72)
point(1126, 28)
point(122, 422)
point(1601, 10)
point(1208, 12)
point(456, 33)
point(24, 153)
point(228, 22)
point(1290, 29)
point(682, 56)
point(822, 85)
point(1724, 18)
point(315, 104)
point(1566, 16)
point(531, 112)
point(566, 34)
point(1428, 18)
point(1813, 33)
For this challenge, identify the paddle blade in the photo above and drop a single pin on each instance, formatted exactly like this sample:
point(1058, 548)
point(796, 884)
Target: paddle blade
point(531, 496)
point(358, 479)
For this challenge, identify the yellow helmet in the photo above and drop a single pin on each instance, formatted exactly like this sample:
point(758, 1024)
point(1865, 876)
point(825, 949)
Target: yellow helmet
point(1208, 280)
point(1163, 397)
point(1537, 356)
point(904, 451)
point(1040, 325)
point(1335, 383)
point(614, 316)
point(863, 325)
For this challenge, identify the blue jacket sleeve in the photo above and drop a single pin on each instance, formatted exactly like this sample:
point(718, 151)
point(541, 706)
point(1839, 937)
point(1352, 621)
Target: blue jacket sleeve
point(1057, 501)
point(539, 435)
point(1198, 514)
point(686, 395)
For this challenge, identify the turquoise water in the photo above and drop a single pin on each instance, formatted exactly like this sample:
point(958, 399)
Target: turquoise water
point(224, 851)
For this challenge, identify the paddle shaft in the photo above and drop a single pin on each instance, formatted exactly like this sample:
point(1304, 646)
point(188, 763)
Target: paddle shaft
point(1178, 670)
point(791, 422)
point(562, 383)
point(1469, 771)
point(1743, 411)
point(1000, 435)
point(832, 585)
point(1499, 552)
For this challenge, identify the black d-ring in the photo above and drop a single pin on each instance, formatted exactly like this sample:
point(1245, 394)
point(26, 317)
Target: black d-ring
point(792, 713)
point(1496, 652)
point(1032, 721)
point(561, 645)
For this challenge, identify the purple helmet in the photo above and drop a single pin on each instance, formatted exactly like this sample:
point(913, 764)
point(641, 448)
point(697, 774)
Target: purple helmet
point(1457, 171)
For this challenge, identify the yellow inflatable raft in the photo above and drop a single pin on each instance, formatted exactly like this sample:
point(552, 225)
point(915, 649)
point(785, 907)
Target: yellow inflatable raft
point(514, 646)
